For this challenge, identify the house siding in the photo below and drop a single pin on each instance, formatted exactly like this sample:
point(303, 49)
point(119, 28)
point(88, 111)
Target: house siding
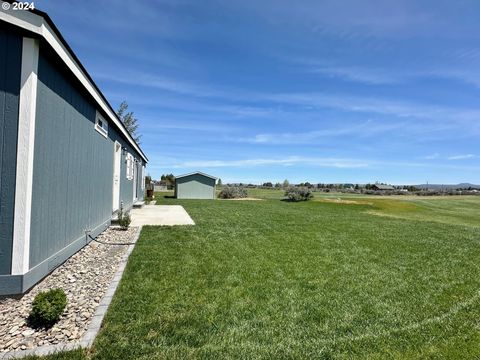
point(72, 181)
point(195, 186)
point(73, 167)
point(10, 74)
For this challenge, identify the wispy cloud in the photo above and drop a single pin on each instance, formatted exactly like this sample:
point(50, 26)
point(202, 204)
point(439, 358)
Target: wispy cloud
point(379, 105)
point(156, 81)
point(358, 74)
point(431, 156)
point(395, 74)
point(240, 102)
point(462, 157)
point(287, 161)
point(364, 129)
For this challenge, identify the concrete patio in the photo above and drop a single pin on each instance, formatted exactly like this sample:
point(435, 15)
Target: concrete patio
point(160, 215)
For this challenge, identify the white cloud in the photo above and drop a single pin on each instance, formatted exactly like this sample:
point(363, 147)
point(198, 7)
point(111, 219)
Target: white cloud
point(462, 157)
point(287, 161)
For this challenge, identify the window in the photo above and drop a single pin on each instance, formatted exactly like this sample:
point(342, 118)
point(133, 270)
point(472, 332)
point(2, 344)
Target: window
point(130, 165)
point(143, 178)
point(101, 125)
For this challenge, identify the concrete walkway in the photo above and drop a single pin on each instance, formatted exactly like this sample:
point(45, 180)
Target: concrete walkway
point(160, 215)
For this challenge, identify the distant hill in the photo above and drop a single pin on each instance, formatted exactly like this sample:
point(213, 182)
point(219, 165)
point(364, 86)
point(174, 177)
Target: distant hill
point(447, 186)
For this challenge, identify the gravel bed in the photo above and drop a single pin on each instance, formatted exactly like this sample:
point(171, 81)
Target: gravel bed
point(84, 277)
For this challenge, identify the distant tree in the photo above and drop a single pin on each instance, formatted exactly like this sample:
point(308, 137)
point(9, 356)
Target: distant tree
point(278, 185)
point(267, 184)
point(169, 180)
point(285, 184)
point(219, 183)
point(357, 187)
point(129, 120)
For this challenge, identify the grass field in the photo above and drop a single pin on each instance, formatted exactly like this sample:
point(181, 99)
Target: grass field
point(459, 210)
point(335, 278)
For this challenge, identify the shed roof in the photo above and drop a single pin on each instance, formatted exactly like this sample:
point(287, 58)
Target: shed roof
point(39, 23)
point(196, 173)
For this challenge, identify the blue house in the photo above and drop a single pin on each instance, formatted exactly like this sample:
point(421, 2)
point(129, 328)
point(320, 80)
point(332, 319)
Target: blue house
point(66, 160)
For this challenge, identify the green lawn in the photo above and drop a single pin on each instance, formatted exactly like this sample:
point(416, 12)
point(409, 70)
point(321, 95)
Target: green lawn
point(368, 278)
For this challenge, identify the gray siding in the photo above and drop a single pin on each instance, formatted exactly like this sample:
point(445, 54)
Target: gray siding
point(73, 166)
point(195, 186)
point(10, 73)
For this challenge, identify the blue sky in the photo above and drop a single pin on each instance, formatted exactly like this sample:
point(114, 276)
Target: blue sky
point(319, 91)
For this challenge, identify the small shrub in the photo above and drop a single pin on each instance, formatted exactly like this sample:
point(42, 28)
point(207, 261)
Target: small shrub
point(298, 194)
point(124, 220)
point(47, 307)
point(233, 192)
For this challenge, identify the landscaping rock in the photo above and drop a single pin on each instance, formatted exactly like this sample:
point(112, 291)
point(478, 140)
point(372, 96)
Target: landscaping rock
point(84, 277)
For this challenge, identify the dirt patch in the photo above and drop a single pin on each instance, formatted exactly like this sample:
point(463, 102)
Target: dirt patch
point(344, 201)
point(245, 199)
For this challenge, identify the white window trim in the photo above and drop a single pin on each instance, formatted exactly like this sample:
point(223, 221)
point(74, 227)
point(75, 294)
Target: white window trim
point(130, 164)
point(102, 130)
point(143, 177)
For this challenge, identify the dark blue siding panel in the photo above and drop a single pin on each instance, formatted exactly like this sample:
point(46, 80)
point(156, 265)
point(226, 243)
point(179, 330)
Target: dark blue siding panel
point(73, 165)
point(10, 73)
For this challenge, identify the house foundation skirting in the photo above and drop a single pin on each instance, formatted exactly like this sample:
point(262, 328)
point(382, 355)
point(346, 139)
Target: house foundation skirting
point(19, 284)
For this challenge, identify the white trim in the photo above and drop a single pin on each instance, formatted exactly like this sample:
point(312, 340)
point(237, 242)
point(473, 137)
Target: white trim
point(38, 25)
point(25, 153)
point(129, 166)
point(143, 177)
point(134, 178)
point(102, 129)
point(117, 175)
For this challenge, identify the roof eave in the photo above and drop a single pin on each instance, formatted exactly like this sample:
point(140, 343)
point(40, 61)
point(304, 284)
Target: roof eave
point(47, 30)
point(196, 173)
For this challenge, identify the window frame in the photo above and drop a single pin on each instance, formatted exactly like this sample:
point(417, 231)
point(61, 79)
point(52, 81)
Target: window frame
point(101, 129)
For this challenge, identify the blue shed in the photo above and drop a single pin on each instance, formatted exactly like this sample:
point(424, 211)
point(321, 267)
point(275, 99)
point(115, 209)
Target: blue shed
point(66, 160)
